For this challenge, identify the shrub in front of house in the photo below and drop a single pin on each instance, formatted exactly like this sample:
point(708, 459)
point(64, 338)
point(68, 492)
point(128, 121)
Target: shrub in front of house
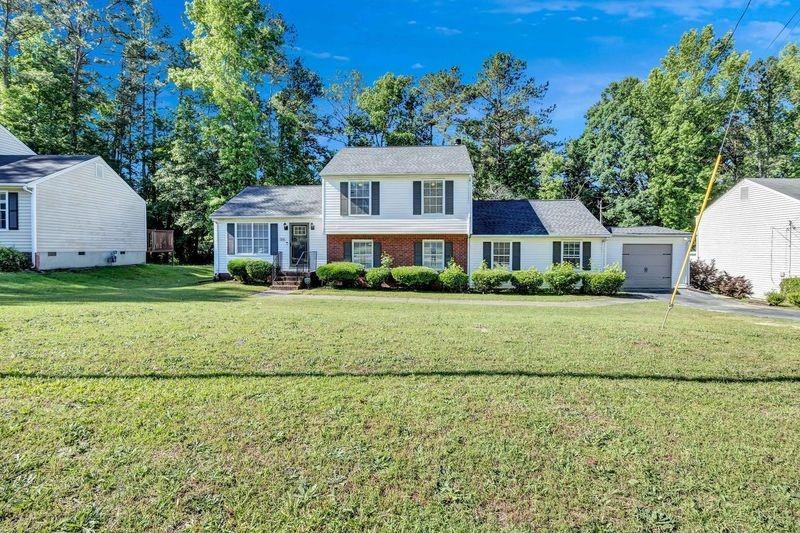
point(237, 268)
point(453, 278)
point(258, 271)
point(487, 279)
point(789, 285)
point(376, 277)
point(702, 275)
point(775, 298)
point(733, 286)
point(794, 298)
point(562, 278)
point(607, 282)
point(527, 281)
point(12, 260)
point(342, 273)
point(415, 277)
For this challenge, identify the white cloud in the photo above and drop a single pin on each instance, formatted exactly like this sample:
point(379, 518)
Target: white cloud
point(578, 19)
point(574, 94)
point(412, 22)
point(762, 32)
point(448, 32)
point(689, 9)
point(321, 55)
point(417, 66)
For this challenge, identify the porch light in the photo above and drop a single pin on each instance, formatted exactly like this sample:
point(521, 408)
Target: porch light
point(312, 225)
point(285, 226)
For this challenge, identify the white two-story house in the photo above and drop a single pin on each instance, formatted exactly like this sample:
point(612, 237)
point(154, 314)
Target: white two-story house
point(415, 204)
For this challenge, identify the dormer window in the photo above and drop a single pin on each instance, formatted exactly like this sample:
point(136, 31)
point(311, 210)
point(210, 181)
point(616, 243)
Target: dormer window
point(433, 197)
point(360, 195)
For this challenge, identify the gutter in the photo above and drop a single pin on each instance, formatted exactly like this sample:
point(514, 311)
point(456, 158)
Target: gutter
point(31, 189)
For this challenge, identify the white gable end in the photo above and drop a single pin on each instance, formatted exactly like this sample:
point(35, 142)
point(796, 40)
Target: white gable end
point(10, 145)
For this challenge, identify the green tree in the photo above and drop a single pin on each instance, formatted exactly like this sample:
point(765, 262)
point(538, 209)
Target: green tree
point(393, 106)
point(346, 122)
point(443, 100)
point(18, 19)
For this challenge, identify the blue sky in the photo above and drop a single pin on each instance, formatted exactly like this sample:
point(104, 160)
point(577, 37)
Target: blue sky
point(577, 46)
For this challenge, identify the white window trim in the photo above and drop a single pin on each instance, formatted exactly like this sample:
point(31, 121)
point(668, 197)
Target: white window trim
point(5, 214)
point(252, 238)
point(510, 253)
point(444, 259)
point(580, 252)
point(371, 255)
point(350, 198)
point(444, 196)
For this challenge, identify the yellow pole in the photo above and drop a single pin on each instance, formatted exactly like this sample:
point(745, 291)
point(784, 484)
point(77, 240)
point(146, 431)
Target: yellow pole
point(709, 188)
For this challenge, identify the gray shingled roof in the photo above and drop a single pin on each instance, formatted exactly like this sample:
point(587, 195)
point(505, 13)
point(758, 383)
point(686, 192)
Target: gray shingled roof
point(560, 218)
point(19, 170)
point(787, 186)
point(280, 201)
point(400, 160)
point(646, 230)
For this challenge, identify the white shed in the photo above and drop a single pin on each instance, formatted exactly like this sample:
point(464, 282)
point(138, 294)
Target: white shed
point(753, 230)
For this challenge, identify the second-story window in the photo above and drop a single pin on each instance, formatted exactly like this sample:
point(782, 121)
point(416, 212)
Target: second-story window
point(433, 197)
point(360, 195)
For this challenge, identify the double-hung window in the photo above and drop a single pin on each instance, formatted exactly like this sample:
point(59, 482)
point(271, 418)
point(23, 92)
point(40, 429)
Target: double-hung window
point(433, 197)
point(571, 252)
point(252, 238)
point(501, 255)
point(360, 197)
point(362, 253)
point(3, 210)
point(433, 254)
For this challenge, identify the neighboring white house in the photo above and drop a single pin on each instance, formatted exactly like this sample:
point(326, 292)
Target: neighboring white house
point(68, 211)
point(753, 230)
point(415, 204)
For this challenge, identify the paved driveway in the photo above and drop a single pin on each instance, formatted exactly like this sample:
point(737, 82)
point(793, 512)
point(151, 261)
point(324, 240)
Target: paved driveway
point(721, 304)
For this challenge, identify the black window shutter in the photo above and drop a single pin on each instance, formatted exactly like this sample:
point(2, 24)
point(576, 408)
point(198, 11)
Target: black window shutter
point(376, 254)
point(587, 255)
point(273, 238)
point(418, 253)
point(231, 238)
point(448, 197)
point(348, 251)
point(13, 210)
point(344, 192)
point(375, 190)
point(417, 197)
point(516, 247)
point(448, 252)
point(487, 253)
point(556, 252)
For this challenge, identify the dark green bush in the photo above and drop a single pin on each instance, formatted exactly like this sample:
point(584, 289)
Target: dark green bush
point(790, 285)
point(376, 277)
point(604, 283)
point(487, 279)
point(342, 273)
point(258, 271)
point(562, 278)
point(775, 298)
point(238, 269)
point(12, 260)
point(453, 278)
point(415, 277)
point(527, 281)
point(794, 298)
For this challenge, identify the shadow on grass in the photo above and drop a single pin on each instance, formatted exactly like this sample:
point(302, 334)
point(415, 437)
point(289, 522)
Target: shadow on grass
point(619, 376)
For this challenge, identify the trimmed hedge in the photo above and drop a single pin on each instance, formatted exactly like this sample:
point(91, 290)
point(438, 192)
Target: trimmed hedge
point(790, 285)
point(258, 271)
point(487, 279)
point(343, 272)
point(775, 298)
point(415, 277)
point(376, 277)
point(604, 283)
point(794, 298)
point(453, 278)
point(12, 260)
point(562, 278)
point(527, 281)
point(237, 268)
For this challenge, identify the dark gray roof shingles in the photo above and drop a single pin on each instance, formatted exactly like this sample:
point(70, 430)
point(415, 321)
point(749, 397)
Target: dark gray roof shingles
point(559, 218)
point(400, 160)
point(787, 186)
point(278, 201)
point(19, 170)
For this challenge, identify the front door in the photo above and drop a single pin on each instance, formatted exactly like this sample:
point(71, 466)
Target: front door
point(299, 233)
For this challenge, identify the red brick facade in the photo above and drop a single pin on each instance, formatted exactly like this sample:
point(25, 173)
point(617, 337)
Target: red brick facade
point(400, 247)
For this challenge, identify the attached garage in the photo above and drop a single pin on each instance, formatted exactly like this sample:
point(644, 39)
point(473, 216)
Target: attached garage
point(651, 256)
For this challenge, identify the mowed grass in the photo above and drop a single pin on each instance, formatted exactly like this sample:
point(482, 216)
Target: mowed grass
point(143, 398)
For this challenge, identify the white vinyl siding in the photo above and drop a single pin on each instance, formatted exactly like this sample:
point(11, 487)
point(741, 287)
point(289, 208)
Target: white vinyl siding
point(747, 234)
point(79, 211)
point(362, 252)
point(433, 254)
point(396, 209)
point(18, 239)
point(10, 145)
point(534, 251)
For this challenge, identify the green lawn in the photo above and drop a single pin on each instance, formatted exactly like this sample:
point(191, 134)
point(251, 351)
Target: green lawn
point(453, 296)
point(141, 398)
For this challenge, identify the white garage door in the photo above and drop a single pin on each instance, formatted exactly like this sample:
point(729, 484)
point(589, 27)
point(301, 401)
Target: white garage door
point(648, 266)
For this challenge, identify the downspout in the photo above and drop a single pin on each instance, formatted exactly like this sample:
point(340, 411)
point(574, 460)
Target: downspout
point(34, 233)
